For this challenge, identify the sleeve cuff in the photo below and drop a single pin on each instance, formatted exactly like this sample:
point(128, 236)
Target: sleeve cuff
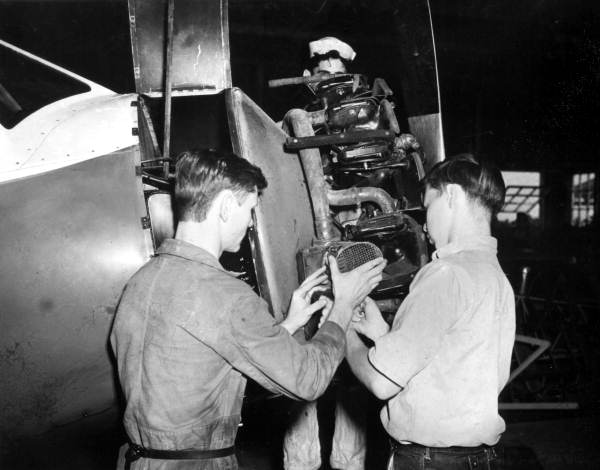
point(372, 357)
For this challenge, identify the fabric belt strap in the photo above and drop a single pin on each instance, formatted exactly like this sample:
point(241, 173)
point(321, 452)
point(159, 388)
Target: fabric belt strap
point(136, 451)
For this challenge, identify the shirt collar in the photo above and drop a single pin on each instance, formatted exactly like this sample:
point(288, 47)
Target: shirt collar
point(477, 243)
point(182, 249)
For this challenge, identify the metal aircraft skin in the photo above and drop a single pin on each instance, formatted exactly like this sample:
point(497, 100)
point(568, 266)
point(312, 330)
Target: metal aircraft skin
point(71, 237)
point(75, 200)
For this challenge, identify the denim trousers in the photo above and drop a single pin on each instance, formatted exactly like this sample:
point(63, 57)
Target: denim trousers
point(416, 457)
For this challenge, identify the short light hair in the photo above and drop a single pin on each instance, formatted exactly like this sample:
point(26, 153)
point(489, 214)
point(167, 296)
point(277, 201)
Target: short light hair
point(200, 175)
point(482, 183)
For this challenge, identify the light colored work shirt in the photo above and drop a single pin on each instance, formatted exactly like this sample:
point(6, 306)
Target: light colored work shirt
point(449, 348)
point(186, 334)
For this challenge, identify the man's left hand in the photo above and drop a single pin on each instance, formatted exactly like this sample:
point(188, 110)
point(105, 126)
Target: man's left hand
point(367, 320)
point(301, 309)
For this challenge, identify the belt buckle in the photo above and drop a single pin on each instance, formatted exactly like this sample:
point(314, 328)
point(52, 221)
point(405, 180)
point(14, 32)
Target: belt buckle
point(134, 452)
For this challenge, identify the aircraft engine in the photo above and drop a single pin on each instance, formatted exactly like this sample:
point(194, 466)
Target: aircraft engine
point(363, 176)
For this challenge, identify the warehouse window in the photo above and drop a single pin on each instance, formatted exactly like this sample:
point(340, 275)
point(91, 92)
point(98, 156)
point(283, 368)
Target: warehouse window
point(583, 199)
point(522, 195)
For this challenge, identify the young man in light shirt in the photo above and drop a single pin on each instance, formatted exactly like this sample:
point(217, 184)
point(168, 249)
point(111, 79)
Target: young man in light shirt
point(442, 364)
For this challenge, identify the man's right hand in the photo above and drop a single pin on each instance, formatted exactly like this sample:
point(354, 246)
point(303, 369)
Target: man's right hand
point(351, 288)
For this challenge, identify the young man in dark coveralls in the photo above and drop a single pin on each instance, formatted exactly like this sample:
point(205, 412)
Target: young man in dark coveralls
point(447, 355)
point(187, 332)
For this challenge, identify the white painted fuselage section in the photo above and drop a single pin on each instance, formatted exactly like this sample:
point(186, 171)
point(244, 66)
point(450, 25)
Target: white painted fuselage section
point(68, 131)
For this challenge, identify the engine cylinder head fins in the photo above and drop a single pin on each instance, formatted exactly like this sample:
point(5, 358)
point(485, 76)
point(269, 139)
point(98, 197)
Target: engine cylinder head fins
point(380, 226)
point(351, 255)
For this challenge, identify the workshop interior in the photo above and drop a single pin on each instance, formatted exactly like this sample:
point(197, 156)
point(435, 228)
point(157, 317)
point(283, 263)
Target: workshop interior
point(87, 161)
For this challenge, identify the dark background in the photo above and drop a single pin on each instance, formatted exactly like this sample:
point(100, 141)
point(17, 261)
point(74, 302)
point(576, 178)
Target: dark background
point(519, 79)
point(519, 83)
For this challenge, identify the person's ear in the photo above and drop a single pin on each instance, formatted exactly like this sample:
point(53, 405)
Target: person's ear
point(446, 195)
point(454, 193)
point(225, 200)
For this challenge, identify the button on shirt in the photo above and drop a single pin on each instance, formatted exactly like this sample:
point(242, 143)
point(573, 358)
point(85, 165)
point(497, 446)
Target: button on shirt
point(186, 333)
point(449, 348)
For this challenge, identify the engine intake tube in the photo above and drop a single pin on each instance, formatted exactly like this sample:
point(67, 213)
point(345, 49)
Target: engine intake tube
point(354, 196)
point(299, 122)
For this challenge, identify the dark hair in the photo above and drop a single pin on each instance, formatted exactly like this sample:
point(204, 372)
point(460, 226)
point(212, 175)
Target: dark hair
point(202, 174)
point(482, 183)
point(333, 54)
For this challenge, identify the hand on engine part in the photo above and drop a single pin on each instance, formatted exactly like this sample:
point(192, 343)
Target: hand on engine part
point(351, 288)
point(359, 311)
point(369, 321)
point(407, 142)
point(301, 309)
